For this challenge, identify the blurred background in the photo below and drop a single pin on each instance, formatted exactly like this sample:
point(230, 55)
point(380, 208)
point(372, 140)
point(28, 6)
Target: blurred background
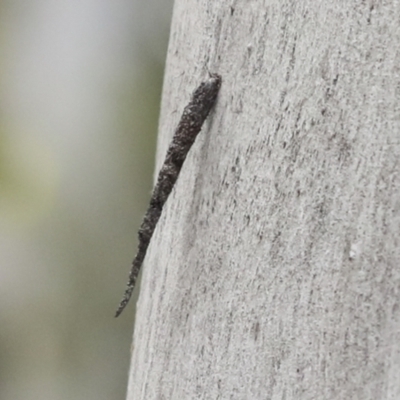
point(80, 85)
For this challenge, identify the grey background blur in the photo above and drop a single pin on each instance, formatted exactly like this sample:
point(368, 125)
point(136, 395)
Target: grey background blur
point(79, 101)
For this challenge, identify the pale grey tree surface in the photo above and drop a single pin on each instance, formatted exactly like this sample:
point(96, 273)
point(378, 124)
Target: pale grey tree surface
point(274, 272)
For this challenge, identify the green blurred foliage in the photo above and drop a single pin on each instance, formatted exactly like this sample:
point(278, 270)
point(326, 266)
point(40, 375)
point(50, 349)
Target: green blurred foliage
point(69, 218)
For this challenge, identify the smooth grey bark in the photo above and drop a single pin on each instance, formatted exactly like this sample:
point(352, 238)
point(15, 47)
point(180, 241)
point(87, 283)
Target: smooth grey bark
point(274, 272)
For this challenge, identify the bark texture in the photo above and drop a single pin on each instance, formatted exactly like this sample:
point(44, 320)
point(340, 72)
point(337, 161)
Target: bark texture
point(274, 272)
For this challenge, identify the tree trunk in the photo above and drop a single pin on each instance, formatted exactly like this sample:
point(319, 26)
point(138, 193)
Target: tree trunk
point(274, 272)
